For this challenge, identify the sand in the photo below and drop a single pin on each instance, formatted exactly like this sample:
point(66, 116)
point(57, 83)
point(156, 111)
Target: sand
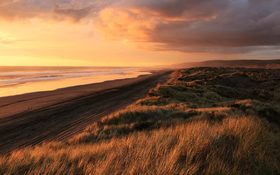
point(33, 118)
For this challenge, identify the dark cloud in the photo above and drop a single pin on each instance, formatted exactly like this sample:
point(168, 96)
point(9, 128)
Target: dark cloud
point(23, 8)
point(76, 9)
point(75, 14)
point(212, 23)
point(179, 8)
point(185, 25)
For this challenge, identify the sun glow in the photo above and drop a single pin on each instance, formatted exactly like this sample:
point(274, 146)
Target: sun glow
point(49, 43)
point(103, 33)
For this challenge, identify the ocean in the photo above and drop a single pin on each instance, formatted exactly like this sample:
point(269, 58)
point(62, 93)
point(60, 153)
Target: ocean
point(21, 80)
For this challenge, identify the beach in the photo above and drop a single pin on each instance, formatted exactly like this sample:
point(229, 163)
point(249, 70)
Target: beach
point(33, 118)
point(22, 80)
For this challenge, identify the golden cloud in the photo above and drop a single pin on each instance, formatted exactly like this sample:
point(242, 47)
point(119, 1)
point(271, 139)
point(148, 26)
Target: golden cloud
point(184, 25)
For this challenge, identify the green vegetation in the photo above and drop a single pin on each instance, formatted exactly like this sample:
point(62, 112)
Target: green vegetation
point(202, 121)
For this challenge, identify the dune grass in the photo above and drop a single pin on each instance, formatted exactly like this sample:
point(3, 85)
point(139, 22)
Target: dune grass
point(185, 126)
point(237, 145)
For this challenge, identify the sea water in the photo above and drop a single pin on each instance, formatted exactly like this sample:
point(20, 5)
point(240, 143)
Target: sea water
point(21, 80)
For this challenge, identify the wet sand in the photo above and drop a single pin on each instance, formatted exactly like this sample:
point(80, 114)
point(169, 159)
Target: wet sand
point(37, 85)
point(33, 118)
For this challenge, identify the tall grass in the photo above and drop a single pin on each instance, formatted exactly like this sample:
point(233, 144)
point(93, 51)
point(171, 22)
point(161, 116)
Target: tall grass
point(239, 145)
point(185, 126)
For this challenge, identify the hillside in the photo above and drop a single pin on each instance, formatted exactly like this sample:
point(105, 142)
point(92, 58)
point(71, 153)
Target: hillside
point(201, 121)
point(268, 64)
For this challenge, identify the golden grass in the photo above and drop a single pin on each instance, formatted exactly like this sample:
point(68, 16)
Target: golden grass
point(239, 145)
point(186, 126)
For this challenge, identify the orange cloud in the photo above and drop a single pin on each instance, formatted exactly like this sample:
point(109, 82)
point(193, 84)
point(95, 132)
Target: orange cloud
point(223, 26)
point(205, 26)
point(129, 24)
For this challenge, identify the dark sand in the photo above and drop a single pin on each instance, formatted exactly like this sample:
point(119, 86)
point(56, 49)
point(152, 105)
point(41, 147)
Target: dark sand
point(31, 119)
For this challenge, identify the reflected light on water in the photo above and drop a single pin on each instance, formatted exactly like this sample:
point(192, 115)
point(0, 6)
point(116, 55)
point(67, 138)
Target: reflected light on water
point(62, 83)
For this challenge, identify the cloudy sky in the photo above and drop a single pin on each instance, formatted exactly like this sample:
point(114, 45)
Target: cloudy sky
point(136, 33)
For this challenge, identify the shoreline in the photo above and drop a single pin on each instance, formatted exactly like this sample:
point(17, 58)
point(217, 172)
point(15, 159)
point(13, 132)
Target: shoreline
point(30, 119)
point(40, 83)
point(59, 95)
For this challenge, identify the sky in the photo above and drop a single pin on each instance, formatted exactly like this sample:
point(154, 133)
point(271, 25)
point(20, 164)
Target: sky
point(136, 33)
